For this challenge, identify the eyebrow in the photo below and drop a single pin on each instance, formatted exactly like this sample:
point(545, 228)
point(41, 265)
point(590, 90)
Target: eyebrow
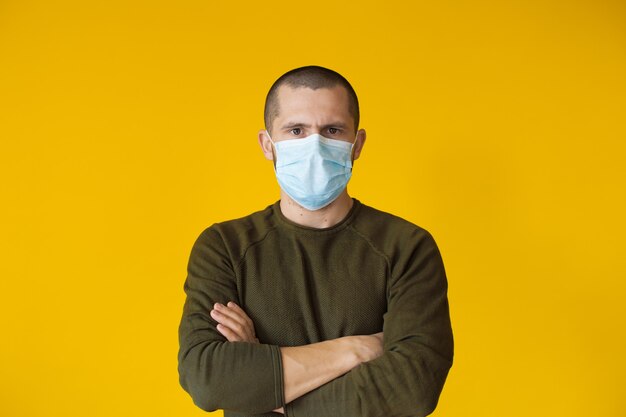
point(292, 125)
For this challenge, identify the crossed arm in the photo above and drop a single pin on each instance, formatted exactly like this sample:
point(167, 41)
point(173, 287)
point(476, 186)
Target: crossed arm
point(305, 367)
point(329, 378)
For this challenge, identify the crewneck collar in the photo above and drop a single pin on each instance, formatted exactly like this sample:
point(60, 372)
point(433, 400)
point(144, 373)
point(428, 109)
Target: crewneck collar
point(284, 221)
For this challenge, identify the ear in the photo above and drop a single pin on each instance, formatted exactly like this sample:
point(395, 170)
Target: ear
point(358, 144)
point(266, 144)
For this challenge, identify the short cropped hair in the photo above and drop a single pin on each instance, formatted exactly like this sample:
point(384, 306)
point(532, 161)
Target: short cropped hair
point(312, 77)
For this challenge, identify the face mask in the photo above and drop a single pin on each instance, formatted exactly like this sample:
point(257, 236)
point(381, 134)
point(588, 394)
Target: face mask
point(313, 171)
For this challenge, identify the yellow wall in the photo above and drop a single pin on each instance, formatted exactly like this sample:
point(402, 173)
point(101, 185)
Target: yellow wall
point(127, 127)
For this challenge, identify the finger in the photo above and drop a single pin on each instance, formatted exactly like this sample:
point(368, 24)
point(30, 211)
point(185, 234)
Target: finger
point(232, 313)
point(232, 335)
point(241, 313)
point(243, 323)
point(233, 326)
point(228, 333)
point(243, 331)
point(227, 321)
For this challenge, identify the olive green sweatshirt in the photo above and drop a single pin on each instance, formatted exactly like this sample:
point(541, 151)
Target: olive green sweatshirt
point(371, 272)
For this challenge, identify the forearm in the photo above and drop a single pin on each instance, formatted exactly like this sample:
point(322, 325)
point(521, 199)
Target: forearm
point(308, 367)
point(399, 383)
point(236, 376)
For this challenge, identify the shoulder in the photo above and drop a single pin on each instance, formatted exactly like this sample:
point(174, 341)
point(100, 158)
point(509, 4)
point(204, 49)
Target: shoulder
point(375, 222)
point(236, 235)
point(388, 232)
point(408, 247)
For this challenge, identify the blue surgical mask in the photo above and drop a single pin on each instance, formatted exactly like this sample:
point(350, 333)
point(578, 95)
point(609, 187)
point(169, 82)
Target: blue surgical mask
point(313, 171)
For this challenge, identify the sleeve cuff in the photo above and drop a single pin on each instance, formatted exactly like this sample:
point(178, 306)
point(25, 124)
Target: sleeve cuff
point(279, 384)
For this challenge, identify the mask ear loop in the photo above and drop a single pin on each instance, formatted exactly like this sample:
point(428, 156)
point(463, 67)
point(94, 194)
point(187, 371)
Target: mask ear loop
point(273, 149)
point(352, 150)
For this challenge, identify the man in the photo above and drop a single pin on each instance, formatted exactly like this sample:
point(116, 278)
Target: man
point(318, 305)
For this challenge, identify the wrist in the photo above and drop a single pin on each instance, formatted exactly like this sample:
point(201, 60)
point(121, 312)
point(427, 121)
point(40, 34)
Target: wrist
point(364, 348)
point(352, 354)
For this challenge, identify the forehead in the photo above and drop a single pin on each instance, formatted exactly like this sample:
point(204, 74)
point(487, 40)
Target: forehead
point(304, 102)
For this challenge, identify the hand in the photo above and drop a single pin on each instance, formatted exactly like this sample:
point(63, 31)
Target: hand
point(234, 323)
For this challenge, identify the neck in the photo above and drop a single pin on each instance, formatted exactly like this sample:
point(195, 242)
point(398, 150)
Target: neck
point(325, 217)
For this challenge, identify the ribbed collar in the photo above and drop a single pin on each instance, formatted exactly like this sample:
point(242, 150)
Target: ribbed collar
point(284, 221)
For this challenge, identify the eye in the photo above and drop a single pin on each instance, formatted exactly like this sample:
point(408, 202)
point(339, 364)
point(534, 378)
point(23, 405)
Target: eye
point(333, 130)
point(296, 131)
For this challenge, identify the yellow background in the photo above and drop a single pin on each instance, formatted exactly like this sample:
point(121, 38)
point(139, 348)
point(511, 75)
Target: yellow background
point(127, 127)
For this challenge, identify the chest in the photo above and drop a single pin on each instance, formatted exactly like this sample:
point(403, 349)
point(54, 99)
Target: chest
point(303, 291)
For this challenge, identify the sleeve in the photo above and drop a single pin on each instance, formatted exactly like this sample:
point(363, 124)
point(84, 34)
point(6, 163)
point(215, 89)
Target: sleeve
point(407, 379)
point(218, 374)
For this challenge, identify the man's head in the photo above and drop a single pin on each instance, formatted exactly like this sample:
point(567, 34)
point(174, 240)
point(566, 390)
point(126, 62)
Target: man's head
point(312, 77)
point(318, 107)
